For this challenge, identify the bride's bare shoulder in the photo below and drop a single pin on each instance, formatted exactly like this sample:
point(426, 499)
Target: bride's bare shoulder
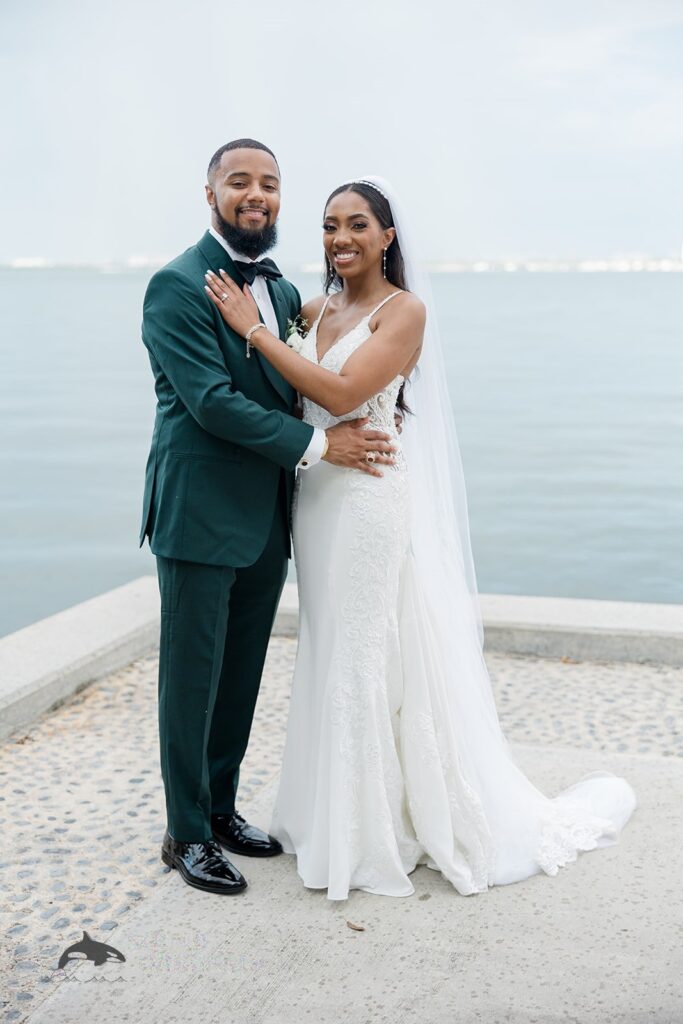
point(406, 308)
point(311, 309)
point(410, 304)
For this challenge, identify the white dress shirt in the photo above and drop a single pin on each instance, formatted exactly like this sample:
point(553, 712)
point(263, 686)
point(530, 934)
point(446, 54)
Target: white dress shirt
point(259, 289)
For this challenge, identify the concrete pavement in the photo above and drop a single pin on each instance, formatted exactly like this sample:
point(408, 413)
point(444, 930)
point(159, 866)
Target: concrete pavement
point(82, 818)
point(598, 943)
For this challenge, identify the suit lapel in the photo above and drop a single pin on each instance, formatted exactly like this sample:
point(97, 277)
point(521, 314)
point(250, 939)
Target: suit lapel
point(218, 258)
point(278, 305)
point(276, 379)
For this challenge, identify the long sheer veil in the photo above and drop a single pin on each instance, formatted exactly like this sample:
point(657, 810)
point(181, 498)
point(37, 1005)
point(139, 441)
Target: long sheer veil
point(441, 534)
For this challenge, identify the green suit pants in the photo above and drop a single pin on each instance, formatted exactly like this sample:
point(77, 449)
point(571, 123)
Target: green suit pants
point(215, 627)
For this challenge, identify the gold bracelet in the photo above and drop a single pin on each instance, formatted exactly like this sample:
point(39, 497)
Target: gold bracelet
point(326, 447)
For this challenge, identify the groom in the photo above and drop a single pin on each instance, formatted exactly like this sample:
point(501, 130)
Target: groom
point(216, 509)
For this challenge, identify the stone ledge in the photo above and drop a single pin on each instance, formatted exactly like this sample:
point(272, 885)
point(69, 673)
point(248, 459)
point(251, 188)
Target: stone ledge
point(585, 630)
point(558, 627)
point(48, 661)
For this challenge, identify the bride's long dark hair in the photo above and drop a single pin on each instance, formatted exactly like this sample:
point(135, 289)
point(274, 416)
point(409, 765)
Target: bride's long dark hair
point(395, 269)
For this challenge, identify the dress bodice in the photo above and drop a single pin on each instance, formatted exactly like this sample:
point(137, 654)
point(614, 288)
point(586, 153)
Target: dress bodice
point(380, 407)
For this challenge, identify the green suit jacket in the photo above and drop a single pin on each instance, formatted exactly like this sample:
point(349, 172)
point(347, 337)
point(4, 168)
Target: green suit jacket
point(223, 428)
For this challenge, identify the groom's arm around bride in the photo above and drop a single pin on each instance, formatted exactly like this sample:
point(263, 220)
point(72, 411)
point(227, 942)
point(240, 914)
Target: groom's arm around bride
point(215, 406)
point(222, 430)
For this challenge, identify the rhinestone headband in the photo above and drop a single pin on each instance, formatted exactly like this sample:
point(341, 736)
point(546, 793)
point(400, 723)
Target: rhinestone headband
point(362, 181)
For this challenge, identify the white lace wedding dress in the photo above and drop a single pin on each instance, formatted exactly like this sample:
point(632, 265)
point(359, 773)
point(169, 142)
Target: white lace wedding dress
point(372, 781)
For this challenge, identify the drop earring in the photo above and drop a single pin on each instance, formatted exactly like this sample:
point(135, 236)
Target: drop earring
point(384, 263)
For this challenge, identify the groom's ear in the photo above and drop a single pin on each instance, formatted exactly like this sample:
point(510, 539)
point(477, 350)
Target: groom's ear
point(210, 196)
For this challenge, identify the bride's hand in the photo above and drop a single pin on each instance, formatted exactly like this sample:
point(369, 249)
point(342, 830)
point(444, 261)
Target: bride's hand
point(236, 306)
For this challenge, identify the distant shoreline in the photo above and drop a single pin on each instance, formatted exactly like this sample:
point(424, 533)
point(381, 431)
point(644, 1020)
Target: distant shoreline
point(617, 265)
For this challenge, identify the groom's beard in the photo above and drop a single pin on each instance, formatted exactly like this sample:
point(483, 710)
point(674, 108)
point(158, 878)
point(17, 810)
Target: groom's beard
point(247, 243)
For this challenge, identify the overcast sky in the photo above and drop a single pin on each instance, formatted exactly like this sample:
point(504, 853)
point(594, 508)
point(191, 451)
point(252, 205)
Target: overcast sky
point(514, 128)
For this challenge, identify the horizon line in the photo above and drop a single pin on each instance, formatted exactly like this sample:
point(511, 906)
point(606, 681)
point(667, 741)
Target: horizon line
point(618, 262)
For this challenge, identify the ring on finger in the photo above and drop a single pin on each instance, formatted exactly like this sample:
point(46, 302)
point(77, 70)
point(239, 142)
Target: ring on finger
point(370, 456)
point(224, 296)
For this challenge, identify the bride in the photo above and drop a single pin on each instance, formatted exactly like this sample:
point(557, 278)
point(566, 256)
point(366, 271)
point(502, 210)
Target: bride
point(394, 753)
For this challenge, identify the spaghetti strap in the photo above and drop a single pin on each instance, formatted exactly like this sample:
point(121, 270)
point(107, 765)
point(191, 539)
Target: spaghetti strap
point(377, 308)
point(320, 314)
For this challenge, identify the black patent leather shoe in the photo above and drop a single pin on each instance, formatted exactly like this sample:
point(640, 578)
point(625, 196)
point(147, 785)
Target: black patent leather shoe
point(238, 836)
point(203, 865)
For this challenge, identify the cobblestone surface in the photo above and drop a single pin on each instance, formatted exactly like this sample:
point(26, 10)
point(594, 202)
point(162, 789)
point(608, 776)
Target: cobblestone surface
point(81, 798)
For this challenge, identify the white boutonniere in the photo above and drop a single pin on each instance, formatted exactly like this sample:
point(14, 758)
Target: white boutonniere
point(296, 332)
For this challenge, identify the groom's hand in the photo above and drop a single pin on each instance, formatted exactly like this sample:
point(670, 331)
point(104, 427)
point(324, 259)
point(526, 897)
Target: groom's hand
point(349, 445)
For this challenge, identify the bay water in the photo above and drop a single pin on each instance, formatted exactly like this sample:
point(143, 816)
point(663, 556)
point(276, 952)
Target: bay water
point(567, 390)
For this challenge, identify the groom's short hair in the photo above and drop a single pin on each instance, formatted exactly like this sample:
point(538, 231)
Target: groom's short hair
point(215, 160)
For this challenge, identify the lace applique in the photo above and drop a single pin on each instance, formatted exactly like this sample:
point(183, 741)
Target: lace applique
point(565, 831)
point(379, 408)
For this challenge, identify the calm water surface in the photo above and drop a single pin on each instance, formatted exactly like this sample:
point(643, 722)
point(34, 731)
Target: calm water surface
point(567, 390)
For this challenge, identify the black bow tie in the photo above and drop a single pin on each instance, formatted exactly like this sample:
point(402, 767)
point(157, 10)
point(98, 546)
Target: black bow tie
point(250, 271)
